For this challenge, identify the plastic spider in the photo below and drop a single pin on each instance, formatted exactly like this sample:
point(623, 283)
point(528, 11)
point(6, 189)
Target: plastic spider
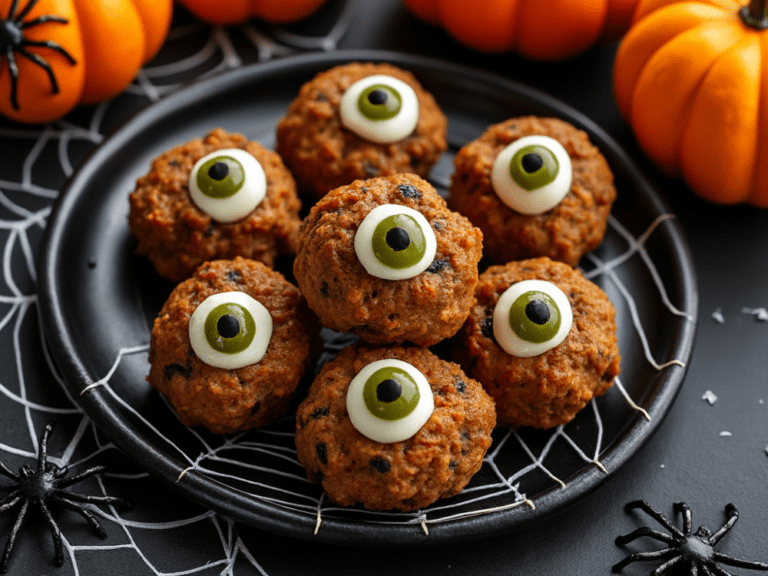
point(12, 42)
point(693, 548)
point(46, 486)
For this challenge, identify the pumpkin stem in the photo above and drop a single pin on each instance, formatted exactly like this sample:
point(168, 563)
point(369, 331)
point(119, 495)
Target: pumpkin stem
point(755, 14)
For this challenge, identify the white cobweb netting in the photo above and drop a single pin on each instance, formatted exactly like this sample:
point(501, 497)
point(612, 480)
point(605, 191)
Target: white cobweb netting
point(263, 463)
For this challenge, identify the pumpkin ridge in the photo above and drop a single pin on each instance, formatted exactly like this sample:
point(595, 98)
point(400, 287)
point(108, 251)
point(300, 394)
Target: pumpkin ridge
point(759, 184)
point(659, 127)
point(718, 128)
point(650, 35)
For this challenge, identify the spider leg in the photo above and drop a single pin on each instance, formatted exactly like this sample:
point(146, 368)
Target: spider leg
point(9, 501)
point(5, 471)
point(655, 514)
point(716, 570)
point(12, 537)
point(84, 512)
point(52, 46)
point(55, 88)
point(730, 509)
point(66, 482)
point(13, 70)
point(94, 499)
point(42, 20)
point(687, 517)
point(639, 556)
point(12, 11)
point(705, 570)
point(23, 14)
point(666, 566)
point(724, 559)
point(55, 534)
point(644, 531)
point(42, 456)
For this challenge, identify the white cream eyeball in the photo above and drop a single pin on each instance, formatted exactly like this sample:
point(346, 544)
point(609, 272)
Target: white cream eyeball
point(227, 184)
point(531, 317)
point(384, 118)
point(230, 330)
point(389, 401)
point(395, 242)
point(521, 185)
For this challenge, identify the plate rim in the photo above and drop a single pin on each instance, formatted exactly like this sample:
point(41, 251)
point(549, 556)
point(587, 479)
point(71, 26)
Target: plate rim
point(243, 507)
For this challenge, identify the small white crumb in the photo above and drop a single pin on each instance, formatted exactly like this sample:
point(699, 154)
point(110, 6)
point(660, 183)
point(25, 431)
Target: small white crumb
point(759, 313)
point(718, 316)
point(710, 397)
point(664, 465)
point(760, 401)
point(725, 433)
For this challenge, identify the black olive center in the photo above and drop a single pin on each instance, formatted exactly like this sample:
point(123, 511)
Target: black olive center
point(218, 171)
point(532, 162)
point(377, 97)
point(228, 326)
point(388, 390)
point(537, 312)
point(398, 238)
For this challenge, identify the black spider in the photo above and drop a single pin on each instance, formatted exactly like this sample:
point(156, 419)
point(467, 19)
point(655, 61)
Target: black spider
point(12, 42)
point(694, 549)
point(45, 486)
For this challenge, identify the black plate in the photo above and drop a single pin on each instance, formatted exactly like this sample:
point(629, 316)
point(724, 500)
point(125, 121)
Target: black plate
point(98, 301)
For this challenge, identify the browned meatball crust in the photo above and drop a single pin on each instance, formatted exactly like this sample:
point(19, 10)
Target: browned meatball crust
point(424, 309)
point(546, 390)
point(565, 232)
point(227, 401)
point(177, 236)
point(436, 462)
point(323, 154)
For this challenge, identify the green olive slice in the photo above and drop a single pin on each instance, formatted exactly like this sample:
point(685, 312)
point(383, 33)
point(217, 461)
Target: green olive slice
point(379, 102)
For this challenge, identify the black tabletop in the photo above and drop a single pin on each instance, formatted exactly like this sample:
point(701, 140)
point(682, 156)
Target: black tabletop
point(711, 450)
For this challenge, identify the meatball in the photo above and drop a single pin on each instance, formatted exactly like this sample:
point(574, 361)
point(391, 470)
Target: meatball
point(524, 203)
point(420, 285)
point(539, 372)
point(325, 150)
point(204, 350)
point(436, 459)
point(178, 235)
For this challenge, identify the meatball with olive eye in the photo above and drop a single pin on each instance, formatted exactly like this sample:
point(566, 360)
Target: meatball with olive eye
point(360, 121)
point(393, 428)
point(217, 197)
point(541, 339)
point(386, 260)
point(231, 345)
point(535, 187)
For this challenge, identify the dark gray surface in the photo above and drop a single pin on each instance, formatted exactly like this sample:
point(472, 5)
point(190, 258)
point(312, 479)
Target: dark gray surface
point(687, 460)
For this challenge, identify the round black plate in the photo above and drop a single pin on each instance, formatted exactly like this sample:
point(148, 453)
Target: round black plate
point(98, 302)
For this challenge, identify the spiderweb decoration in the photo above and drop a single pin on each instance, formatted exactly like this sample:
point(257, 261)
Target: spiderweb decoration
point(260, 463)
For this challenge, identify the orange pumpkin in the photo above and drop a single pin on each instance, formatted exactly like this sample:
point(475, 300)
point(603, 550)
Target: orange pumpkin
point(690, 78)
point(538, 29)
point(69, 52)
point(227, 12)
